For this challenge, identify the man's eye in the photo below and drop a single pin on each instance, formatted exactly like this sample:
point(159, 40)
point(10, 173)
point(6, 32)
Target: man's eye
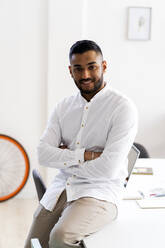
point(78, 69)
point(92, 67)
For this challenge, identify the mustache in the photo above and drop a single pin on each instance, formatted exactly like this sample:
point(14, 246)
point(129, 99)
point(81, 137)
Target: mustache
point(86, 80)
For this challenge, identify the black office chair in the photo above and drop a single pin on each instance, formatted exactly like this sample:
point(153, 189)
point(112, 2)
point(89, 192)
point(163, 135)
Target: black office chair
point(40, 186)
point(143, 151)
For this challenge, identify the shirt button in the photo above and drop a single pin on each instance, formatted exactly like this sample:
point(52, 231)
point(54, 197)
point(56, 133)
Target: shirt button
point(78, 143)
point(86, 107)
point(68, 183)
point(82, 125)
point(64, 163)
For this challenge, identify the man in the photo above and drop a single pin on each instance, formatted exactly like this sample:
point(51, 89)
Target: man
point(88, 138)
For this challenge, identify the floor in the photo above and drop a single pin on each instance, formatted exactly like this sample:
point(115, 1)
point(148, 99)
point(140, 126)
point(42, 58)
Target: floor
point(15, 218)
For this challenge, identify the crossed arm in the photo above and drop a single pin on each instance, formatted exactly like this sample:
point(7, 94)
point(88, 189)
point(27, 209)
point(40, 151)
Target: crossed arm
point(90, 163)
point(88, 155)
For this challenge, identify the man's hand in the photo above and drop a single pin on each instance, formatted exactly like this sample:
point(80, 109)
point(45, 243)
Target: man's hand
point(63, 147)
point(88, 155)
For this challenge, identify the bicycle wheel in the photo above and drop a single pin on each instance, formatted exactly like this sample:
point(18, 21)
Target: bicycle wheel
point(14, 167)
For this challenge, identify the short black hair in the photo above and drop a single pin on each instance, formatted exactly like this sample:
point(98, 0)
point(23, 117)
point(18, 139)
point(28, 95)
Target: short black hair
point(82, 46)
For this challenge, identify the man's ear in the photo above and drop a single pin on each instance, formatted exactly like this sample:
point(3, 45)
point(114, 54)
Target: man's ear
point(104, 66)
point(70, 70)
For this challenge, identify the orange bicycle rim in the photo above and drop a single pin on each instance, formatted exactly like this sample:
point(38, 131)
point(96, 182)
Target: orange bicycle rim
point(27, 167)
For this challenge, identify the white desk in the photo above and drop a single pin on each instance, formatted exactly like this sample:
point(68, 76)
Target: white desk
point(135, 227)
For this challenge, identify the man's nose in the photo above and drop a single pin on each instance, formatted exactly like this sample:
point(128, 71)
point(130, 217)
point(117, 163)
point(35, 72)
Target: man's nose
point(85, 73)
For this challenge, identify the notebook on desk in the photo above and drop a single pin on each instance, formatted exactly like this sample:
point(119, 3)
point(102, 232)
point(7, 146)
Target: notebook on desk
point(142, 171)
point(153, 202)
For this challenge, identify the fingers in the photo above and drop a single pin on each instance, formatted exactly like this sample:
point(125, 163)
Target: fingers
point(63, 147)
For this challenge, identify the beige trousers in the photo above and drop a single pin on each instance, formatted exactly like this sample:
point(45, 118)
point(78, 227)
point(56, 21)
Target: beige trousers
point(68, 224)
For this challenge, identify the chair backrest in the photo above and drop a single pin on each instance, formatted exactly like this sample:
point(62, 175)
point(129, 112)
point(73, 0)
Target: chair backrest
point(35, 243)
point(40, 186)
point(132, 157)
point(143, 150)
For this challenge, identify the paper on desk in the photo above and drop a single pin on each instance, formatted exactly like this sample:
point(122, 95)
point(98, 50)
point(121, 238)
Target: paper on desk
point(145, 192)
point(152, 202)
point(152, 186)
point(152, 192)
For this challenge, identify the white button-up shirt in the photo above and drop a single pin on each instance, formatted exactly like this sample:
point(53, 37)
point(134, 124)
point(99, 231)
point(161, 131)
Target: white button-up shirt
point(107, 124)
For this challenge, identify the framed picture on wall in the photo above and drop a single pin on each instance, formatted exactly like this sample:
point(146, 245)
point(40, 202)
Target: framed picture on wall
point(139, 23)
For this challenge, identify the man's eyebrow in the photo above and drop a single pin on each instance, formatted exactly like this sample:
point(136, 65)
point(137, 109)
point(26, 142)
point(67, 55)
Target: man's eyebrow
point(76, 65)
point(90, 63)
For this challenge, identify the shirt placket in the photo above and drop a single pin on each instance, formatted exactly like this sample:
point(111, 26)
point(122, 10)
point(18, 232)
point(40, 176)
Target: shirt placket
point(78, 144)
point(82, 126)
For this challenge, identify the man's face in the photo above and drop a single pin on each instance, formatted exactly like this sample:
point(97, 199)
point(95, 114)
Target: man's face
point(87, 70)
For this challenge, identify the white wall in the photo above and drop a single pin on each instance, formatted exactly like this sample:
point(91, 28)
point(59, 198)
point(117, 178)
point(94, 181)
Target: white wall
point(31, 84)
point(23, 66)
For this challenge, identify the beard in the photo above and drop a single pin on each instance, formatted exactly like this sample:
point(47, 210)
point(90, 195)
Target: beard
point(97, 85)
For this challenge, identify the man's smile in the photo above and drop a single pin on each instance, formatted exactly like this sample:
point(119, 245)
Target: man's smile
point(87, 82)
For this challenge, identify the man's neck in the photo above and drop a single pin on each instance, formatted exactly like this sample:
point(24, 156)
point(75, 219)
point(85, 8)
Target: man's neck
point(88, 97)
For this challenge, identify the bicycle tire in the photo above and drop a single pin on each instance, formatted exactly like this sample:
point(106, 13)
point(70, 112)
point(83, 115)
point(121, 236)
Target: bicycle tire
point(7, 160)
